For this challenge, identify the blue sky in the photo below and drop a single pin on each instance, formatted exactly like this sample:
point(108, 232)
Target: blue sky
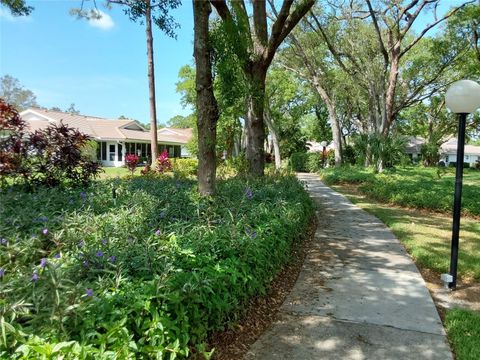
point(100, 67)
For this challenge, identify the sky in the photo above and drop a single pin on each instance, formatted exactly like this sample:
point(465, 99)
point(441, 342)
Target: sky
point(99, 66)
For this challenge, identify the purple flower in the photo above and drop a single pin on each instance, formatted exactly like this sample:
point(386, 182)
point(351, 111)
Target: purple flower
point(34, 277)
point(162, 214)
point(83, 195)
point(104, 241)
point(3, 241)
point(99, 253)
point(158, 232)
point(86, 264)
point(89, 292)
point(253, 234)
point(81, 243)
point(112, 259)
point(57, 256)
point(43, 262)
point(248, 193)
point(45, 231)
point(2, 272)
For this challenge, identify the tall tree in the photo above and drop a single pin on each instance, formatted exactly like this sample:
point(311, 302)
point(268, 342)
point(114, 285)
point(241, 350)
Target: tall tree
point(145, 12)
point(255, 49)
point(206, 104)
point(15, 94)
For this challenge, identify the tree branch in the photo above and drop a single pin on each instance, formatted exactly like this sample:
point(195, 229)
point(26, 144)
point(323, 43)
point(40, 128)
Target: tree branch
point(424, 31)
point(287, 26)
point(379, 33)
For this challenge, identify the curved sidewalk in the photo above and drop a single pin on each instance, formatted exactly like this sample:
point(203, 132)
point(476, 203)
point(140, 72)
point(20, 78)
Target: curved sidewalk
point(358, 296)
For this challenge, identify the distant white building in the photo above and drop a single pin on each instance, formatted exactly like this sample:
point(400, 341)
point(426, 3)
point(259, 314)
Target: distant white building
point(448, 153)
point(414, 147)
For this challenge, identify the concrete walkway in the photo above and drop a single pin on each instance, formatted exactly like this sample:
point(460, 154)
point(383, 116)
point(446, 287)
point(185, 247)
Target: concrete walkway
point(358, 296)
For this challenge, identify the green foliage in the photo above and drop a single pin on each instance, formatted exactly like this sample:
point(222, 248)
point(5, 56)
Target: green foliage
point(411, 186)
point(463, 329)
point(12, 92)
point(185, 167)
point(298, 161)
point(381, 151)
point(236, 166)
point(149, 276)
point(430, 153)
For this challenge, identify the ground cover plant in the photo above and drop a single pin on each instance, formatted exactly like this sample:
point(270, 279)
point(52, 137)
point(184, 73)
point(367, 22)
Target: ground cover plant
point(416, 187)
point(145, 275)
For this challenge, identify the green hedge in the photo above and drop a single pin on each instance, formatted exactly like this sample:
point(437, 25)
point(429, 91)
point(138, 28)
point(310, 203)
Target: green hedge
point(148, 277)
point(306, 162)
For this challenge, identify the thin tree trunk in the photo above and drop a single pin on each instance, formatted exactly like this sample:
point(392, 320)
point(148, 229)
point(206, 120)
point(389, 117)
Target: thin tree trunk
point(275, 142)
point(151, 84)
point(255, 120)
point(390, 93)
point(207, 110)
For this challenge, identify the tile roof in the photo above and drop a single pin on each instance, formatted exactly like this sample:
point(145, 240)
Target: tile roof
point(103, 129)
point(451, 147)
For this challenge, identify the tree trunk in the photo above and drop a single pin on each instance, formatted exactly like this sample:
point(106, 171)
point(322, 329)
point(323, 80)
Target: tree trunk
point(390, 93)
point(332, 115)
point(151, 84)
point(273, 133)
point(255, 121)
point(207, 110)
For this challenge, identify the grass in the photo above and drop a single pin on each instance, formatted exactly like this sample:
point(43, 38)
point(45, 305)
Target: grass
point(463, 328)
point(114, 172)
point(426, 236)
point(147, 275)
point(415, 187)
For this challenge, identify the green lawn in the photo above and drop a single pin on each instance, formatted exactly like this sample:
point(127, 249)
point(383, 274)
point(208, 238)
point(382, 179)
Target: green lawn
point(416, 187)
point(425, 234)
point(114, 172)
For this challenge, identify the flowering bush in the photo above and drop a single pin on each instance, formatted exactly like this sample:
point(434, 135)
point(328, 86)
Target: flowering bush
point(82, 278)
point(163, 162)
point(50, 156)
point(131, 161)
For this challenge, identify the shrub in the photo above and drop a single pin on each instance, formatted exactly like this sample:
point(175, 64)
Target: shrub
point(349, 156)
point(314, 162)
point(298, 161)
point(163, 162)
point(148, 277)
point(185, 167)
point(236, 166)
point(51, 156)
point(430, 153)
point(131, 162)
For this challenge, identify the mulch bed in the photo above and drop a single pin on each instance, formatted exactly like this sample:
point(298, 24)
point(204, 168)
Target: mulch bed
point(234, 343)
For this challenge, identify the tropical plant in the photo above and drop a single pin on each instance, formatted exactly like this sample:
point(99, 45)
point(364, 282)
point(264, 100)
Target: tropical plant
point(131, 161)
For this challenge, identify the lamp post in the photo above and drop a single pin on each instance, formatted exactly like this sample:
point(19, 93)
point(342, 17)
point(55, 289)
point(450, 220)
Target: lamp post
point(462, 98)
point(324, 152)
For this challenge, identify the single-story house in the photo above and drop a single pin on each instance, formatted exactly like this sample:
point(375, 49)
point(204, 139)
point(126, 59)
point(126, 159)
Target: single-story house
point(414, 147)
point(448, 153)
point(115, 137)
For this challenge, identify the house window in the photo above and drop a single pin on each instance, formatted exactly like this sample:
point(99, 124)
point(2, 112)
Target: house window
point(111, 155)
point(446, 158)
point(177, 151)
point(171, 152)
point(102, 150)
point(119, 152)
point(466, 157)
